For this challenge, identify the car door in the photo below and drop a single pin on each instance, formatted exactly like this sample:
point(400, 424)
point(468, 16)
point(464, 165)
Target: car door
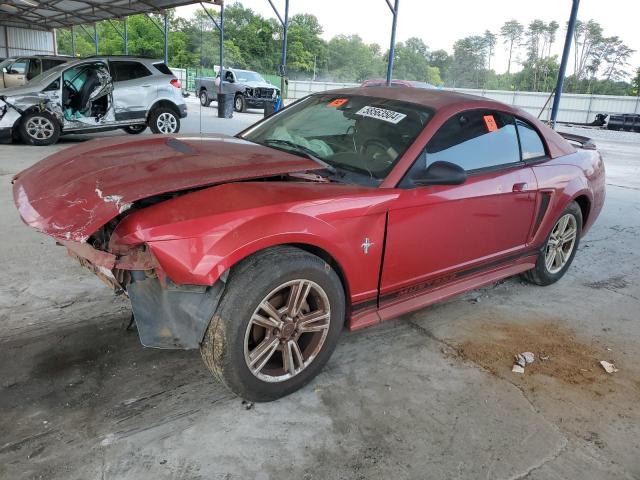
point(15, 74)
point(133, 89)
point(435, 233)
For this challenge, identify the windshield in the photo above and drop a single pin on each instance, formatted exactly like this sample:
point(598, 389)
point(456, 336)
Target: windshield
point(6, 62)
point(246, 76)
point(357, 134)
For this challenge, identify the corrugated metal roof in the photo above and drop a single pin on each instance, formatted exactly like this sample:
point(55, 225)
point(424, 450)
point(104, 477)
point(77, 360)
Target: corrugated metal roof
point(49, 14)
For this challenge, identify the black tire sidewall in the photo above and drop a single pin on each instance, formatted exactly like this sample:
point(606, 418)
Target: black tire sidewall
point(153, 120)
point(239, 302)
point(544, 276)
point(26, 138)
point(130, 129)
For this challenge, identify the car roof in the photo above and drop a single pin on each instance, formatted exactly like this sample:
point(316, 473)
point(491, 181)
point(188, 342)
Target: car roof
point(435, 99)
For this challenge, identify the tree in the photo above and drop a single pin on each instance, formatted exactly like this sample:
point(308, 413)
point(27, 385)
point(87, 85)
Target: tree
point(511, 32)
point(490, 40)
point(412, 62)
point(467, 66)
point(349, 59)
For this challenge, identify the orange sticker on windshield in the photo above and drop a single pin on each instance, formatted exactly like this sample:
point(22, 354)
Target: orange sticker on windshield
point(490, 122)
point(338, 102)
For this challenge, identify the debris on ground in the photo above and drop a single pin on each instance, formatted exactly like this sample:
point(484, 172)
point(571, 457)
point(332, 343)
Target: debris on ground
point(608, 367)
point(247, 404)
point(522, 360)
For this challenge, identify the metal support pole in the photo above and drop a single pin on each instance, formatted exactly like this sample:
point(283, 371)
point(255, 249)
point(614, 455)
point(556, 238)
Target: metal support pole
point(95, 37)
point(166, 39)
point(73, 42)
point(563, 64)
point(221, 28)
point(283, 79)
point(126, 37)
point(392, 47)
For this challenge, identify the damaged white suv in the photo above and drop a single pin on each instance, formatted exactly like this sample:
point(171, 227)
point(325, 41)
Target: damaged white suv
point(91, 95)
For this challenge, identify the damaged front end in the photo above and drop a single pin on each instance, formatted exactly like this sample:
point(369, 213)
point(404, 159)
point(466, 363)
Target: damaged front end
point(167, 315)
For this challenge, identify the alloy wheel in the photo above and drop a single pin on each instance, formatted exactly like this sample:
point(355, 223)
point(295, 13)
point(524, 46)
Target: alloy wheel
point(40, 128)
point(561, 243)
point(167, 123)
point(238, 104)
point(287, 330)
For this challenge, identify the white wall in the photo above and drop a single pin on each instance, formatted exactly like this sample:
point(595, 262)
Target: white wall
point(573, 107)
point(20, 41)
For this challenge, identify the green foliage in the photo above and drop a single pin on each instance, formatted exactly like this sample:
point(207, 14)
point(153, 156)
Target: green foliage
point(255, 42)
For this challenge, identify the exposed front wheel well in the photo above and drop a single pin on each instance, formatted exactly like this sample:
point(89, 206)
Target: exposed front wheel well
point(322, 254)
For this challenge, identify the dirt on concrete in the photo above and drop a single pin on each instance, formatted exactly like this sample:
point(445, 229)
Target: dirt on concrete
point(558, 354)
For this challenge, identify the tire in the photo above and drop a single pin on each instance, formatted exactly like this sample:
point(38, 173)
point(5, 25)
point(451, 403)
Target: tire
point(233, 338)
point(164, 120)
point(39, 129)
point(239, 104)
point(205, 101)
point(544, 274)
point(135, 129)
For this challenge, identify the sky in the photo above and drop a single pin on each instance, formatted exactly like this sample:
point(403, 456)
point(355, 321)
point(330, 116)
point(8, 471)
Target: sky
point(440, 23)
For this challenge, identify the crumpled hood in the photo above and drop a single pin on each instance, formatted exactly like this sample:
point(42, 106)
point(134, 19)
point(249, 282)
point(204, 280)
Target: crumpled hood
point(72, 193)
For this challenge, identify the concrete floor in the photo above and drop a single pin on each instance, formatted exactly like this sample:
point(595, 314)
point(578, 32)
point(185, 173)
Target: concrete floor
point(430, 395)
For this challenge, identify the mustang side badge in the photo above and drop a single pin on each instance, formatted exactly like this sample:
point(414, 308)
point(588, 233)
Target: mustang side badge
point(365, 245)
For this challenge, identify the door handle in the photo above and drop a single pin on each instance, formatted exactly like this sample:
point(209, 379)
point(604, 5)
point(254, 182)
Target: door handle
point(147, 85)
point(520, 187)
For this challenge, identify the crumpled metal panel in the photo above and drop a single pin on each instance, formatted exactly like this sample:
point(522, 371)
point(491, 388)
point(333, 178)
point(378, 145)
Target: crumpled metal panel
point(172, 317)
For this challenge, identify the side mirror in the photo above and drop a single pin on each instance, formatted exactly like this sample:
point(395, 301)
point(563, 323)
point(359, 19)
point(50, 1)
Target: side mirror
point(442, 173)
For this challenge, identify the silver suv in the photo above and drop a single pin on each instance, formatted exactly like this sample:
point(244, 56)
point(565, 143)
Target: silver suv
point(93, 94)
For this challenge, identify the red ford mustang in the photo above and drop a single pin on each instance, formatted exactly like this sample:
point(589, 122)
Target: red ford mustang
point(347, 207)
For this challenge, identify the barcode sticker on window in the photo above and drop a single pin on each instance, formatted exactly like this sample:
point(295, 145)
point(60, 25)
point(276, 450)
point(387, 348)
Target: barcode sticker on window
point(381, 114)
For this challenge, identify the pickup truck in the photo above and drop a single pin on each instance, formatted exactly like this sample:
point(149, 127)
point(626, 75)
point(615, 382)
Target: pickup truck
point(250, 90)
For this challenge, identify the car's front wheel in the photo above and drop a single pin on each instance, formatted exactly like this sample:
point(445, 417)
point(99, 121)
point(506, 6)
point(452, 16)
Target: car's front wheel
point(276, 325)
point(239, 104)
point(560, 248)
point(39, 128)
point(164, 120)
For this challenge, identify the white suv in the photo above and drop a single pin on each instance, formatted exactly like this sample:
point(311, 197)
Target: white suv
point(93, 94)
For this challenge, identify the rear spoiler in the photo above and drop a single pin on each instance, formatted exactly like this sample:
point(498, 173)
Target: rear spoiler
point(579, 141)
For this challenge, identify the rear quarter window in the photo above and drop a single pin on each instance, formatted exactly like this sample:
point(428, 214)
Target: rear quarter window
point(162, 68)
point(530, 142)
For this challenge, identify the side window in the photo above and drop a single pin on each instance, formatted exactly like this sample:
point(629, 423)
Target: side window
point(228, 77)
point(121, 71)
point(48, 64)
point(19, 66)
point(34, 68)
point(530, 142)
point(475, 139)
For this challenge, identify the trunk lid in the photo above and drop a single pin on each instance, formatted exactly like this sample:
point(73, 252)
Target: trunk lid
point(72, 193)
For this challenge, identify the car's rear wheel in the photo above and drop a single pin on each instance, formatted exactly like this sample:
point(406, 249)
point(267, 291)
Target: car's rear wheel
point(39, 128)
point(560, 248)
point(204, 98)
point(164, 120)
point(277, 324)
point(239, 104)
point(135, 129)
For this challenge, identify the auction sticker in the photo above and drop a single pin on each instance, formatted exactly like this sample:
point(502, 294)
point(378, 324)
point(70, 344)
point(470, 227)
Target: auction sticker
point(381, 114)
point(490, 122)
point(338, 102)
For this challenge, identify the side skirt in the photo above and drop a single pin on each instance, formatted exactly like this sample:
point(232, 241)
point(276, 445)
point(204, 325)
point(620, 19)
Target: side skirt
point(396, 306)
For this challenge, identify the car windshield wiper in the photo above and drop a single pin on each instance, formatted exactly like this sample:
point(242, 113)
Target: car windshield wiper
point(307, 152)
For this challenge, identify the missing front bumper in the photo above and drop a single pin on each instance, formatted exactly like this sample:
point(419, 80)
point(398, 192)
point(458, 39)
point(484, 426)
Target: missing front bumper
point(172, 316)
